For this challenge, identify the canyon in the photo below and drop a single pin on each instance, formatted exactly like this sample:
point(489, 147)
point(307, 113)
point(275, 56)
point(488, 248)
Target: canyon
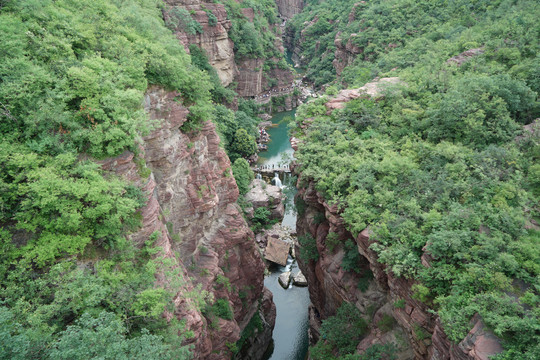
point(191, 192)
point(269, 180)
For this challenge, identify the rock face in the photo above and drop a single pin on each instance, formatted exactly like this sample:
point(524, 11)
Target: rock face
point(465, 56)
point(192, 204)
point(276, 232)
point(288, 8)
point(258, 343)
point(330, 285)
point(214, 39)
point(345, 52)
point(262, 194)
point(372, 89)
point(250, 77)
point(300, 280)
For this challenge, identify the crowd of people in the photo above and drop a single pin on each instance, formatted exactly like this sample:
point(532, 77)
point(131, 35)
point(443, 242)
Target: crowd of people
point(274, 91)
point(284, 167)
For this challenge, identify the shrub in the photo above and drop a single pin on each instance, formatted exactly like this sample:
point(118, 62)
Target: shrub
point(351, 259)
point(344, 330)
point(365, 280)
point(399, 304)
point(243, 175)
point(222, 309)
point(332, 240)
point(386, 323)
point(261, 219)
point(308, 249)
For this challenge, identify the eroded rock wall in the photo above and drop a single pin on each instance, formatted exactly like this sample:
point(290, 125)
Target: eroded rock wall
point(192, 204)
point(214, 39)
point(330, 285)
point(418, 331)
point(346, 52)
point(288, 8)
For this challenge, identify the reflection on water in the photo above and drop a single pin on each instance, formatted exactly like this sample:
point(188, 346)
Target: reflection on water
point(289, 189)
point(279, 148)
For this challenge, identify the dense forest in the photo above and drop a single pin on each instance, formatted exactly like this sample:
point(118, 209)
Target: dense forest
point(73, 74)
point(442, 166)
point(438, 166)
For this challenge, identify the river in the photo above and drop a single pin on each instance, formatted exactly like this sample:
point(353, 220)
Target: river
point(290, 334)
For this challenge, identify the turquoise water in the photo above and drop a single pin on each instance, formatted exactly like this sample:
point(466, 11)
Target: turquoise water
point(290, 334)
point(279, 148)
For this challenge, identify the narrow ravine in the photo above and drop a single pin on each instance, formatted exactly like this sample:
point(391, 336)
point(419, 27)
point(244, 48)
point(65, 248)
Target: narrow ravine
point(290, 336)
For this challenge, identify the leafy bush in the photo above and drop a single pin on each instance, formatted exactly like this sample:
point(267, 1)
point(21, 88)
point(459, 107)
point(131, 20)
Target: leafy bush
point(242, 145)
point(261, 219)
point(308, 249)
point(220, 308)
point(243, 175)
point(365, 280)
point(104, 336)
point(332, 240)
point(344, 330)
point(386, 323)
point(223, 309)
point(351, 259)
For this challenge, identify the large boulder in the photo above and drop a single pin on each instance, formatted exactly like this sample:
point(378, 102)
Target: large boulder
point(262, 194)
point(300, 280)
point(285, 279)
point(277, 251)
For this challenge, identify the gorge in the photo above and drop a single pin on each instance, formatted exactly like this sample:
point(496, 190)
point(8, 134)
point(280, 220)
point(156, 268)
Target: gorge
point(141, 139)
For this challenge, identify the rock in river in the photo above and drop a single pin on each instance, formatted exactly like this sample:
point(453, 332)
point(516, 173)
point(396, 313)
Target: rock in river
point(299, 279)
point(277, 251)
point(285, 279)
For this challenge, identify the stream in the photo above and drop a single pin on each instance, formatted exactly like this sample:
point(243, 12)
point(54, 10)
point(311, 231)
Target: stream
point(290, 336)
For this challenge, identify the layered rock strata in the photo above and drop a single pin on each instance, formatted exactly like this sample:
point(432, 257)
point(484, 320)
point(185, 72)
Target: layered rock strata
point(386, 294)
point(288, 8)
point(192, 204)
point(213, 38)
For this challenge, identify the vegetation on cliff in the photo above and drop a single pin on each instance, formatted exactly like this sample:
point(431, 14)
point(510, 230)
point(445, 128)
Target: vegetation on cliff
point(439, 167)
point(73, 75)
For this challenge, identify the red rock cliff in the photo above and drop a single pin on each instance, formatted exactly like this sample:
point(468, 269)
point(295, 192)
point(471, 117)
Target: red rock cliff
point(192, 204)
point(288, 8)
point(417, 331)
point(214, 39)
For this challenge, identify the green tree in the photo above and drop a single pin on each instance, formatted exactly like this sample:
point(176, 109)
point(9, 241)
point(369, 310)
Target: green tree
point(242, 174)
point(104, 337)
point(243, 145)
